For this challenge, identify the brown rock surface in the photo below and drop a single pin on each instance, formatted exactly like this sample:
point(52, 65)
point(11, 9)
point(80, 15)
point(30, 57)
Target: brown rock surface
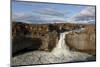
point(83, 41)
point(36, 36)
point(48, 35)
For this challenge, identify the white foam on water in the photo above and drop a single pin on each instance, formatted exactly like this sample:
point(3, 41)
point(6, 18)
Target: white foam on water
point(62, 50)
point(61, 53)
point(61, 46)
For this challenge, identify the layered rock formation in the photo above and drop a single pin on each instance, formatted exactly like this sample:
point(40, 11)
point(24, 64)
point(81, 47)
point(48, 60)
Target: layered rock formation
point(46, 36)
point(84, 42)
point(34, 36)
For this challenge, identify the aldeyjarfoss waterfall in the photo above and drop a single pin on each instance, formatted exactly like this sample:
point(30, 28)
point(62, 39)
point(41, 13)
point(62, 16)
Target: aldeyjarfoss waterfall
point(59, 54)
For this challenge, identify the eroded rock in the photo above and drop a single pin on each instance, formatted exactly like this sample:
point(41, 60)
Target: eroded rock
point(82, 41)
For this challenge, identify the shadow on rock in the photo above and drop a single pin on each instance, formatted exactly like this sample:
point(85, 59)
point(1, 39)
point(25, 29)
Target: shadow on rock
point(22, 45)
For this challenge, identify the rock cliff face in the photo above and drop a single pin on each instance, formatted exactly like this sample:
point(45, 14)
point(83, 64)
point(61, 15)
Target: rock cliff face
point(46, 36)
point(84, 42)
point(34, 36)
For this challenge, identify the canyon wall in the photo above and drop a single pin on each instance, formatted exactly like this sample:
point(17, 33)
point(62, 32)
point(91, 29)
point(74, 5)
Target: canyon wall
point(46, 36)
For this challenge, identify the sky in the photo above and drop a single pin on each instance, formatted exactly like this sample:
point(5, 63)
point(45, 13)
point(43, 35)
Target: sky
point(33, 12)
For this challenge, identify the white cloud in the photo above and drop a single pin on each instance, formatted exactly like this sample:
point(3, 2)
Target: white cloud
point(18, 15)
point(46, 15)
point(50, 12)
point(87, 15)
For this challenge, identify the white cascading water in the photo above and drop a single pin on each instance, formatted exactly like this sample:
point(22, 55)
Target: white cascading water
point(61, 42)
point(61, 53)
point(62, 50)
point(61, 46)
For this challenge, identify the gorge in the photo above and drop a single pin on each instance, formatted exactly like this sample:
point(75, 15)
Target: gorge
point(55, 43)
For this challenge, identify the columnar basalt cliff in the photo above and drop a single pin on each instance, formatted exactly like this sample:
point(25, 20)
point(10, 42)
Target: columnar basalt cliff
point(46, 36)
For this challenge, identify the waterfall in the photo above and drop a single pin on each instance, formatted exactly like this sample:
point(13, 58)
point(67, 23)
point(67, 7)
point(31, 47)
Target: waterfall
point(61, 42)
point(61, 53)
point(62, 49)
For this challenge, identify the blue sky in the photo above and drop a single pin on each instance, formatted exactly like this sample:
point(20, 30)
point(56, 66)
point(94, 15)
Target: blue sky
point(32, 12)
